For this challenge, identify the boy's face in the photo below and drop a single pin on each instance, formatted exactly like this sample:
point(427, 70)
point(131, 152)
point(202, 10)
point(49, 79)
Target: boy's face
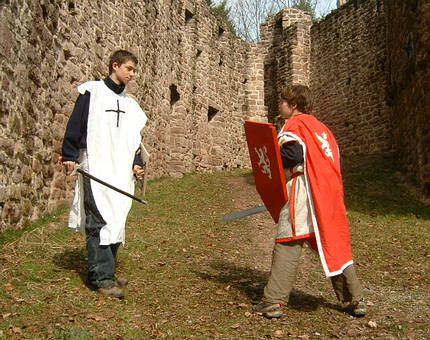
point(286, 110)
point(123, 73)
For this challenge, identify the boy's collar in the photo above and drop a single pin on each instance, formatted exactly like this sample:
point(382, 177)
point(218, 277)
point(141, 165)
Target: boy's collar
point(114, 86)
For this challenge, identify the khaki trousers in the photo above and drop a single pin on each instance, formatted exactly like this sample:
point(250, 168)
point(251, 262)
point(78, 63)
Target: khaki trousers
point(285, 262)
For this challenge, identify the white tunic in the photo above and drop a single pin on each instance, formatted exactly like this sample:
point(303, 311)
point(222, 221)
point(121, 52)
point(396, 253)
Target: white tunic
point(112, 140)
point(295, 218)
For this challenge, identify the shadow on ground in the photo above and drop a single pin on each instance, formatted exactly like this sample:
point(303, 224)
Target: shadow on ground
point(252, 283)
point(72, 260)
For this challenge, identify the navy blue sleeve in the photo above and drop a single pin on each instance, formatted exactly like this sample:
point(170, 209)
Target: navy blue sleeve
point(138, 159)
point(291, 154)
point(75, 137)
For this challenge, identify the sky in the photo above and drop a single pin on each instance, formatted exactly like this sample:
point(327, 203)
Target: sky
point(323, 7)
point(252, 32)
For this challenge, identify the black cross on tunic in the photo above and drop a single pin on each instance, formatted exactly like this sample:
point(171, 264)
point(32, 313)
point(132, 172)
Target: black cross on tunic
point(118, 111)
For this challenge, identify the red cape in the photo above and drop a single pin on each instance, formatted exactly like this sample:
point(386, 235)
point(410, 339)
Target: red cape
point(324, 180)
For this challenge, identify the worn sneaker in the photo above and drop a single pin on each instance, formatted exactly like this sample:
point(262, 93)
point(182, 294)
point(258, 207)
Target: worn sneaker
point(121, 281)
point(358, 308)
point(269, 310)
point(112, 291)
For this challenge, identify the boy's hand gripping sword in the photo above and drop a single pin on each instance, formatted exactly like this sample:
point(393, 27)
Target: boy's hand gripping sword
point(86, 174)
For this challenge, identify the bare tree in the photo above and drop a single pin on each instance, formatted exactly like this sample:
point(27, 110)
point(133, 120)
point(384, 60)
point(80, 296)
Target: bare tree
point(247, 15)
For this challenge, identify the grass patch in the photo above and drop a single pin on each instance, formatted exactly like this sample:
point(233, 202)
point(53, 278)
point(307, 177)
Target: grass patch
point(194, 277)
point(11, 235)
point(73, 333)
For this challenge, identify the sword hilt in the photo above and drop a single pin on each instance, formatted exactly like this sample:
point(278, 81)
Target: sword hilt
point(86, 174)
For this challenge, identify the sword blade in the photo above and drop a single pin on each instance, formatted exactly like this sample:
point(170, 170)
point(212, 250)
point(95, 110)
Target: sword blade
point(243, 213)
point(86, 174)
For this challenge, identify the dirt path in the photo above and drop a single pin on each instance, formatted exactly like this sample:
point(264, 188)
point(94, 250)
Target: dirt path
point(394, 300)
point(262, 229)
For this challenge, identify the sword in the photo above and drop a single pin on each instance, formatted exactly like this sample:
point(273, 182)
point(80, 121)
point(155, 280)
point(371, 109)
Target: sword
point(86, 174)
point(243, 213)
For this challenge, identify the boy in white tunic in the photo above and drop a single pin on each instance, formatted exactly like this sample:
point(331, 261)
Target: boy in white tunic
point(103, 137)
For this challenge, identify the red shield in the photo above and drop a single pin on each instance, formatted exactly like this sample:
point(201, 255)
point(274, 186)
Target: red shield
point(267, 165)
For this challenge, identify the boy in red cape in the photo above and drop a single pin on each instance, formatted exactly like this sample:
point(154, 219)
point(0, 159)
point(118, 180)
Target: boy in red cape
point(315, 212)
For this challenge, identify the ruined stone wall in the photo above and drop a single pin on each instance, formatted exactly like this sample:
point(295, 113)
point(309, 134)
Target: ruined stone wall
point(368, 68)
point(255, 84)
point(193, 81)
point(408, 41)
point(286, 41)
point(367, 64)
point(348, 76)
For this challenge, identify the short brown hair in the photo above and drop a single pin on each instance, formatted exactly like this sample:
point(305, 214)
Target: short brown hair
point(120, 57)
point(299, 95)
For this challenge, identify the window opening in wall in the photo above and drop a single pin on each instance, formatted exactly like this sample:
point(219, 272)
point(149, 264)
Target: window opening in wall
point(409, 47)
point(72, 8)
point(67, 54)
point(188, 15)
point(211, 113)
point(44, 11)
point(220, 31)
point(220, 61)
point(194, 89)
point(378, 6)
point(278, 25)
point(174, 94)
point(199, 52)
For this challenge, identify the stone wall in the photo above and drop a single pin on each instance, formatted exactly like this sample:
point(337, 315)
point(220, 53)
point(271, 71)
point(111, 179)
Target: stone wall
point(368, 68)
point(194, 79)
point(343, 59)
point(286, 42)
point(370, 76)
point(367, 64)
point(348, 73)
point(408, 54)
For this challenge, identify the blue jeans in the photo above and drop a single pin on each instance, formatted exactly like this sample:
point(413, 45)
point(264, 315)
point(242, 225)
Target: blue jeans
point(101, 258)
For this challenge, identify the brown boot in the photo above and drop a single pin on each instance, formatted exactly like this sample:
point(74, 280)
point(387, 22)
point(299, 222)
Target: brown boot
point(358, 308)
point(269, 310)
point(121, 281)
point(112, 291)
